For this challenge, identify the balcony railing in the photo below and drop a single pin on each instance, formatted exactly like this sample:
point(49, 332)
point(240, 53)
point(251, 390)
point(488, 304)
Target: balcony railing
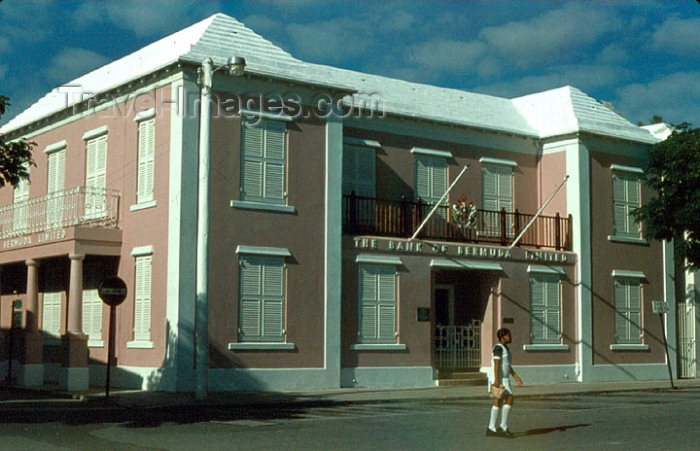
point(369, 216)
point(82, 205)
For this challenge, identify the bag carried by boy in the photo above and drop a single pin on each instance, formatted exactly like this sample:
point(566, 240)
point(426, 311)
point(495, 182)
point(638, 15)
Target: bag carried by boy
point(496, 392)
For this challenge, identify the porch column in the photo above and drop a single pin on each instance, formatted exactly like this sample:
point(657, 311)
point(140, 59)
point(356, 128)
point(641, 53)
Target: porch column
point(31, 369)
point(74, 373)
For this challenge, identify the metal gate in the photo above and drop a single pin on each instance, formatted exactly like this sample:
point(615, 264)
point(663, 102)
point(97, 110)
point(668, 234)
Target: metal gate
point(687, 361)
point(458, 346)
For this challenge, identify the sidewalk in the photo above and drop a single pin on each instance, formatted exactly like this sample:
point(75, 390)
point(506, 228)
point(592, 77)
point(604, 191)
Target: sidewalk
point(36, 399)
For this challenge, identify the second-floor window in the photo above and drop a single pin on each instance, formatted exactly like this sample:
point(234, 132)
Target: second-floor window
point(146, 160)
point(95, 176)
point(626, 197)
point(359, 168)
point(497, 194)
point(263, 160)
point(20, 218)
point(55, 185)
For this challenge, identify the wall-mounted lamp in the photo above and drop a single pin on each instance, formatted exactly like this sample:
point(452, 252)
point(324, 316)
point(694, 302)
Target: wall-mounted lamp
point(235, 65)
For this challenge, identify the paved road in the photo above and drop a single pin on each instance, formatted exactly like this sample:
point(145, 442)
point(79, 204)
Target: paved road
point(650, 420)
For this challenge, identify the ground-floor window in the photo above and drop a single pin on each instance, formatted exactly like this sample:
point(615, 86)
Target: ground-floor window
point(262, 303)
point(142, 299)
point(377, 301)
point(628, 311)
point(92, 317)
point(545, 308)
point(51, 314)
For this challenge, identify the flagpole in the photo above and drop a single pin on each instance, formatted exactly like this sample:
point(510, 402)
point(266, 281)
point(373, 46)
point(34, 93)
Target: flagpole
point(438, 203)
point(551, 196)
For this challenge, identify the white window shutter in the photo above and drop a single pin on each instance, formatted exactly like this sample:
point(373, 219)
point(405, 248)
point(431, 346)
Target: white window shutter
point(377, 304)
point(261, 299)
point(264, 160)
point(51, 314)
point(142, 298)
point(92, 315)
point(146, 155)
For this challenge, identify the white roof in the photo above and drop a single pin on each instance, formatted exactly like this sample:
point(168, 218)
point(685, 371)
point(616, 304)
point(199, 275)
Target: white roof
point(220, 36)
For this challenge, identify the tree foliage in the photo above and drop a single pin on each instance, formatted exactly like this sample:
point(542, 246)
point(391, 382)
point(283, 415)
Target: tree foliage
point(15, 156)
point(674, 173)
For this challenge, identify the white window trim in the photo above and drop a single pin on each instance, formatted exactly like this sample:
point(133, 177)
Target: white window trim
point(378, 259)
point(545, 347)
point(431, 152)
point(261, 346)
point(246, 204)
point(55, 147)
point(95, 133)
point(145, 115)
point(264, 251)
point(266, 115)
point(620, 168)
point(361, 142)
point(502, 162)
point(538, 269)
point(629, 347)
point(141, 251)
point(463, 263)
point(623, 273)
point(378, 347)
point(143, 205)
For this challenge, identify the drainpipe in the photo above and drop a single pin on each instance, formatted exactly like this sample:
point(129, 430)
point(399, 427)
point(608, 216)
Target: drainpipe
point(201, 335)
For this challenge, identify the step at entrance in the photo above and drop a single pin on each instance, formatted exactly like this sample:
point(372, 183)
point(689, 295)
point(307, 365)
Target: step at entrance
point(460, 379)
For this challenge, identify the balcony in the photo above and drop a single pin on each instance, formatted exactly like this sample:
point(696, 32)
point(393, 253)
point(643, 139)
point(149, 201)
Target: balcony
point(370, 216)
point(88, 206)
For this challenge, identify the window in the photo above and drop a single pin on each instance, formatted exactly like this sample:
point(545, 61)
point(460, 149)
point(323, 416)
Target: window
point(95, 173)
point(377, 301)
point(20, 218)
point(51, 315)
point(545, 309)
point(359, 167)
point(142, 299)
point(628, 311)
point(263, 166)
point(626, 197)
point(497, 194)
point(92, 317)
point(262, 298)
point(55, 185)
point(430, 178)
point(146, 155)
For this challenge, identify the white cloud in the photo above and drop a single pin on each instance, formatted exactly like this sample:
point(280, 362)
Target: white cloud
point(678, 36)
point(144, 19)
point(448, 55)
point(72, 62)
point(674, 97)
point(557, 32)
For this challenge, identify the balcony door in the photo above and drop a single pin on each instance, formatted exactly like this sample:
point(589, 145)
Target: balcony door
point(95, 176)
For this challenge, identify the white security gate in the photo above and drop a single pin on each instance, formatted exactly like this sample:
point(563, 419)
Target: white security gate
point(686, 340)
point(458, 346)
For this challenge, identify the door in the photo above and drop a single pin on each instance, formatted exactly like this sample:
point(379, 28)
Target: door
point(687, 361)
point(456, 346)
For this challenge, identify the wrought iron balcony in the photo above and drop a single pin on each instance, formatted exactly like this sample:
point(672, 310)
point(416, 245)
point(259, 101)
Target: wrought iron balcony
point(82, 205)
point(370, 216)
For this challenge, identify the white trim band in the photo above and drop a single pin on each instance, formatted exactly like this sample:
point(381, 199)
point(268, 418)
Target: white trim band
point(487, 160)
point(145, 115)
point(628, 274)
point(361, 142)
point(266, 115)
point(617, 167)
point(461, 263)
point(545, 269)
point(60, 145)
point(94, 133)
point(142, 250)
point(378, 259)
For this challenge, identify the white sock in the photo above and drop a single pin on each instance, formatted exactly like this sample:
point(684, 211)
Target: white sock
point(504, 416)
point(494, 417)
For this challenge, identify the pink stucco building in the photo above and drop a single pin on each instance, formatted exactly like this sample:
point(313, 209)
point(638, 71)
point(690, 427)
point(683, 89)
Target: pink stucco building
point(301, 269)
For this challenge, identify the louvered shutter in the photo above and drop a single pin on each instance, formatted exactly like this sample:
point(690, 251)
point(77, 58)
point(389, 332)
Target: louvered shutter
point(146, 155)
point(51, 314)
point(95, 177)
point(20, 218)
point(369, 306)
point(553, 309)
point(250, 299)
point(538, 319)
point(142, 299)
point(350, 163)
point(359, 169)
point(423, 179)
point(635, 311)
point(264, 160)
point(273, 296)
point(55, 185)
point(92, 315)
point(377, 304)
point(626, 197)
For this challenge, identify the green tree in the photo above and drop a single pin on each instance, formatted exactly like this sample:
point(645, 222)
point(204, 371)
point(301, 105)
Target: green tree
point(674, 173)
point(15, 156)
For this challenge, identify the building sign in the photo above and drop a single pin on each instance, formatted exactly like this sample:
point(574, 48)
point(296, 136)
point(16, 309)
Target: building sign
point(459, 250)
point(34, 238)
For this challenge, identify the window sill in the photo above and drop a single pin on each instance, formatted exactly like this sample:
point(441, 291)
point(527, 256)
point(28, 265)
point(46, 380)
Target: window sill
point(378, 347)
point(545, 347)
point(140, 344)
point(250, 346)
point(627, 239)
point(96, 344)
point(261, 206)
point(630, 347)
point(143, 206)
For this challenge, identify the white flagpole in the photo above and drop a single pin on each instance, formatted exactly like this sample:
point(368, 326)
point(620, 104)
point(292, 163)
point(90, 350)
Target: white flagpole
point(551, 196)
point(438, 203)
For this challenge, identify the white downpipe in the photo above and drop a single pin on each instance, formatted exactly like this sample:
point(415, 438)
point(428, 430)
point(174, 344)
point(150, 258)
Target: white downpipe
point(202, 275)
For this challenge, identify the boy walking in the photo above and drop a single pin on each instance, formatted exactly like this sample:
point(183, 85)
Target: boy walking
point(501, 370)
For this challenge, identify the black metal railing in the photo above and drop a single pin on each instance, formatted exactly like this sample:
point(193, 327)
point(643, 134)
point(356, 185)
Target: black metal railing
point(370, 216)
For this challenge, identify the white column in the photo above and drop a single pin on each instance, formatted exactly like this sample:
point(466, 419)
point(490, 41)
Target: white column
point(75, 295)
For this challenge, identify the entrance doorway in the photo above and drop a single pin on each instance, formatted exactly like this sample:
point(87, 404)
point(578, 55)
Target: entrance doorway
point(457, 343)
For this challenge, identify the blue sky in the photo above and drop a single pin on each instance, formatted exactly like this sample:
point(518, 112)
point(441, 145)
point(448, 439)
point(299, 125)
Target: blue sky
point(642, 56)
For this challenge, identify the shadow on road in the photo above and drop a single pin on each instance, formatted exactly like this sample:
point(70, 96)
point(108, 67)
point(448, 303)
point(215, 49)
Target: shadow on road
point(554, 429)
